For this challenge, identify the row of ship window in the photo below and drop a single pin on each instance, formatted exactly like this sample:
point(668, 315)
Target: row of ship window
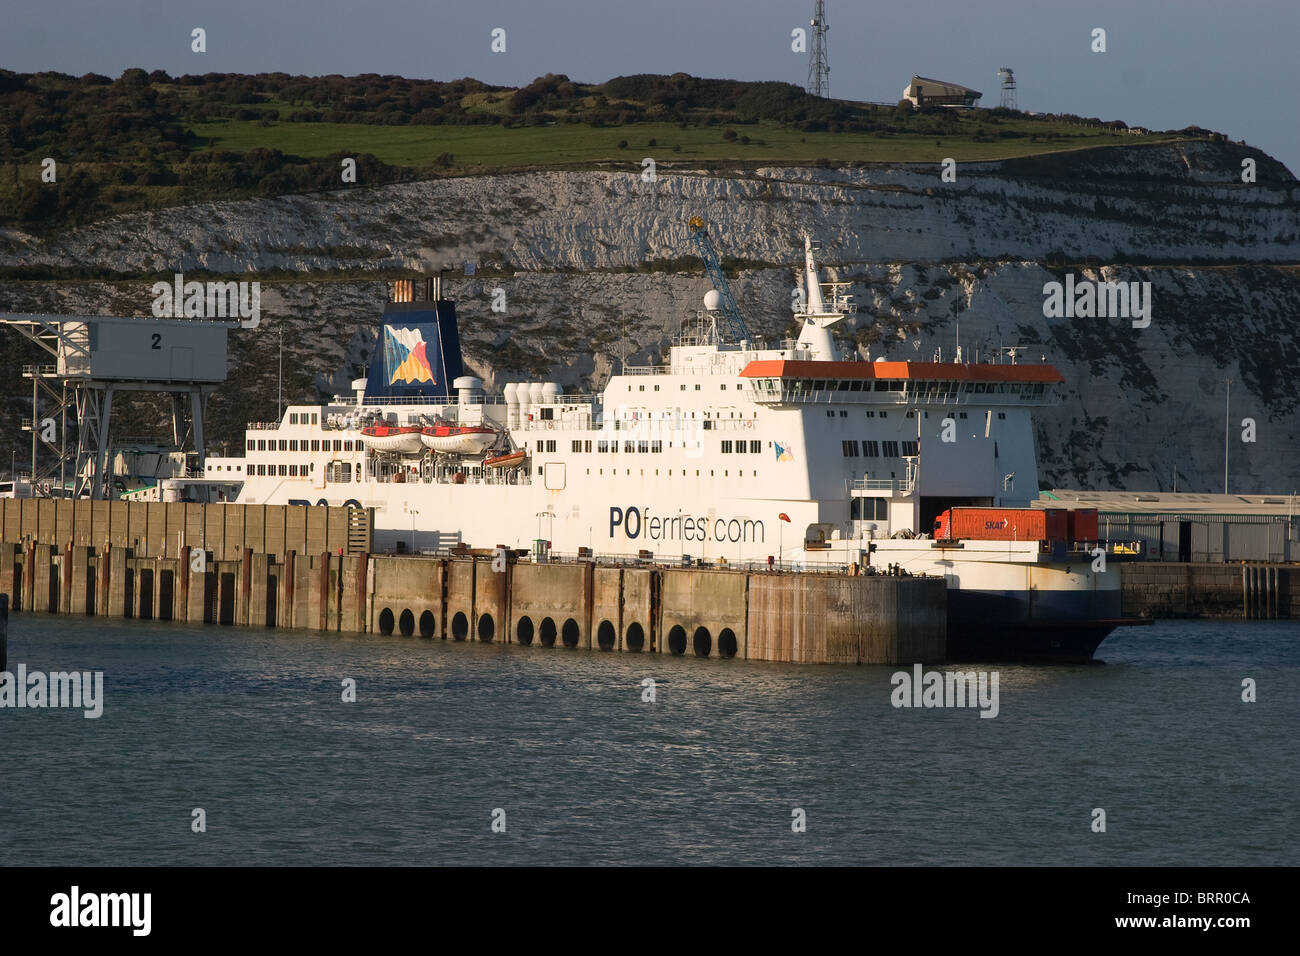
point(338, 470)
point(935, 388)
point(830, 413)
point(291, 471)
point(294, 444)
point(873, 449)
point(603, 447)
point(300, 418)
point(723, 388)
point(740, 473)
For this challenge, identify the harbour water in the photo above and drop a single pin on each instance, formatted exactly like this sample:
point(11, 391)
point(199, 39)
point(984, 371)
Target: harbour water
point(250, 726)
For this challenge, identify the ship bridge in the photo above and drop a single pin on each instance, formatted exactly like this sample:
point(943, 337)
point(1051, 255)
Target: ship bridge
point(785, 383)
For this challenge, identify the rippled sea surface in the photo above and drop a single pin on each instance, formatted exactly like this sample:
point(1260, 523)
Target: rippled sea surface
point(250, 726)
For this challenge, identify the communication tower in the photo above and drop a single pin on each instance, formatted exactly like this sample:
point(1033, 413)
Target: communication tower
point(819, 70)
point(1008, 79)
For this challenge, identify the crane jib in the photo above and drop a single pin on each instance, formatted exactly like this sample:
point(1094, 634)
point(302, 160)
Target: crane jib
point(736, 326)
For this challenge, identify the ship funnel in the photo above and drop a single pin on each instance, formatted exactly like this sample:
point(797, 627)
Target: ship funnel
point(417, 354)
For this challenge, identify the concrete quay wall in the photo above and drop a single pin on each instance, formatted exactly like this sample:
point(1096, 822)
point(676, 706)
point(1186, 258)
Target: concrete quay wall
point(1169, 589)
point(801, 618)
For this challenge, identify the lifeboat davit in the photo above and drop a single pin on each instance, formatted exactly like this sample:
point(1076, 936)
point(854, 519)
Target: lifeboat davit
point(458, 439)
point(404, 439)
point(512, 460)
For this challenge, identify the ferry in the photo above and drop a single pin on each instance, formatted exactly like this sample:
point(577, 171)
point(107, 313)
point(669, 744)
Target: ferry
point(729, 452)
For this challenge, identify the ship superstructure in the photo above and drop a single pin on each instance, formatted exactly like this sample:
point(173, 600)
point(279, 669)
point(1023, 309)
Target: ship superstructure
point(728, 452)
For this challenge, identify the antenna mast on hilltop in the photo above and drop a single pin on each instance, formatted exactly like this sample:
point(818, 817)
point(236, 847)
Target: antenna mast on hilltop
point(1008, 78)
point(819, 71)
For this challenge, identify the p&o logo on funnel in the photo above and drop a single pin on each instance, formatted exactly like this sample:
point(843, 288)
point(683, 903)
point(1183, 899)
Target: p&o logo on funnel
point(406, 356)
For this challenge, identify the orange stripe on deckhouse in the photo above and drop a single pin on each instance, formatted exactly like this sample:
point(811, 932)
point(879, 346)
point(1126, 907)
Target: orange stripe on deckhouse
point(914, 371)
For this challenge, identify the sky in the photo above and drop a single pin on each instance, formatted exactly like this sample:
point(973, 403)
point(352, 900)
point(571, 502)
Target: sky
point(1225, 65)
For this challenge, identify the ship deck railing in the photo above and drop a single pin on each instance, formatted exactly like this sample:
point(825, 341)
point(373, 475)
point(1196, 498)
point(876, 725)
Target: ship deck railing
point(369, 401)
point(684, 369)
point(641, 427)
point(625, 428)
point(444, 400)
point(901, 486)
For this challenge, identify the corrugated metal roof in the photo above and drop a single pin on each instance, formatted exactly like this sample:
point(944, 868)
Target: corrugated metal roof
point(1172, 504)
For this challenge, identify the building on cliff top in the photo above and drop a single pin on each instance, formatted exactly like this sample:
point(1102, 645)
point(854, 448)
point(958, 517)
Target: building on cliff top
point(923, 91)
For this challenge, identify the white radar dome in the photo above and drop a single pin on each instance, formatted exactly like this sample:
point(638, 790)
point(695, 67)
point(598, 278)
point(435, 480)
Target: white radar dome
point(712, 300)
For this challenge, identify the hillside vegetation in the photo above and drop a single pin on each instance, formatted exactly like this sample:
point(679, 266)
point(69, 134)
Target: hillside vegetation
point(147, 140)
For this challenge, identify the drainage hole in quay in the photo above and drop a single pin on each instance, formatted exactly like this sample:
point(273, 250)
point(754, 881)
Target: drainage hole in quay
point(635, 637)
point(677, 639)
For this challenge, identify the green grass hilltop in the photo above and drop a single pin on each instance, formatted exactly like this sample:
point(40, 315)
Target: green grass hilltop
point(147, 140)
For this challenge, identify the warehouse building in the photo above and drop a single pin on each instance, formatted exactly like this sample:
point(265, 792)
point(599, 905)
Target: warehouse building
point(1189, 527)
